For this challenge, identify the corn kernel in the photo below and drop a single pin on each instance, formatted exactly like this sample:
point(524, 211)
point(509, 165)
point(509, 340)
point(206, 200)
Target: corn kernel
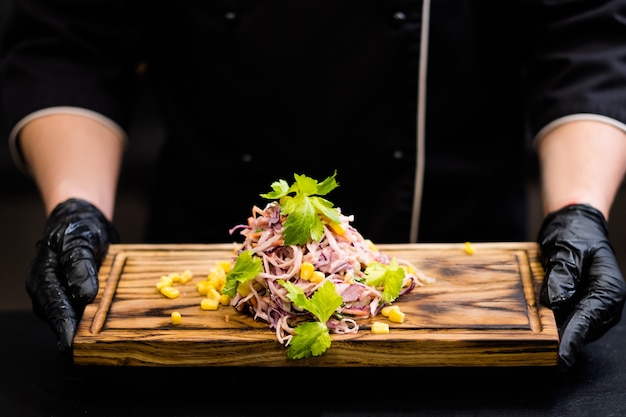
point(243, 288)
point(166, 278)
point(202, 287)
point(224, 299)
point(338, 228)
point(209, 304)
point(186, 276)
point(317, 277)
point(213, 294)
point(162, 284)
point(379, 327)
point(371, 245)
point(387, 309)
point(220, 284)
point(306, 270)
point(216, 274)
point(176, 317)
point(225, 265)
point(213, 283)
point(468, 248)
point(410, 269)
point(170, 292)
point(396, 316)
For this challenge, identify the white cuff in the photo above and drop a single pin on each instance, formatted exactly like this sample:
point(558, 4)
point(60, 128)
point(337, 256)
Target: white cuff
point(13, 146)
point(575, 117)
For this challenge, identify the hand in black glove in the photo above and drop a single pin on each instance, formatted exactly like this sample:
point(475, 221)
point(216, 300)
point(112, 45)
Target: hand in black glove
point(583, 283)
point(63, 277)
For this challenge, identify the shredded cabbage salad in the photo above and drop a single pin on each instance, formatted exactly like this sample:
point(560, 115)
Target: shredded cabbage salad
point(297, 231)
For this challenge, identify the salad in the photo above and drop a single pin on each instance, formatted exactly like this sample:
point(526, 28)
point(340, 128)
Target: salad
point(304, 270)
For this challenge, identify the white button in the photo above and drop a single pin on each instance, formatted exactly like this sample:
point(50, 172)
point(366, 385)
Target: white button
point(399, 16)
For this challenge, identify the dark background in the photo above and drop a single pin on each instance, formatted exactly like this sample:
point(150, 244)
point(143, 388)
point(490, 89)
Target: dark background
point(22, 216)
point(35, 382)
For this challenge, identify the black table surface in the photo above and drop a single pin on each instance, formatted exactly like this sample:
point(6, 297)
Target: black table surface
point(37, 381)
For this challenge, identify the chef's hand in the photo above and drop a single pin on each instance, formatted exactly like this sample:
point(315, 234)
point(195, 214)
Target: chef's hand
point(583, 284)
point(63, 277)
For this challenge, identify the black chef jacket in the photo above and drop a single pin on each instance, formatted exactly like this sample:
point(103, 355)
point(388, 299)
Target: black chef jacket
point(254, 91)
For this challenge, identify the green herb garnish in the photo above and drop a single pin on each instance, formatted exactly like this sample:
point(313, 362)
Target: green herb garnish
point(313, 337)
point(389, 277)
point(247, 266)
point(305, 207)
point(305, 213)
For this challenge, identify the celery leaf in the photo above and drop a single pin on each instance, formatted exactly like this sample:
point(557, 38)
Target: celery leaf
point(280, 189)
point(310, 338)
point(301, 203)
point(247, 267)
point(388, 277)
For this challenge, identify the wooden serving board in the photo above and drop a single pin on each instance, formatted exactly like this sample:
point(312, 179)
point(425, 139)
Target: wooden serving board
point(482, 310)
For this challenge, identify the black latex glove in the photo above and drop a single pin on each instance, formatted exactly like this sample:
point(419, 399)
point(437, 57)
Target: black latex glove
point(63, 277)
point(583, 283)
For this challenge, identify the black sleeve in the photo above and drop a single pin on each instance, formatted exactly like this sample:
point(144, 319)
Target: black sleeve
point(576, 56)
point(82, 53)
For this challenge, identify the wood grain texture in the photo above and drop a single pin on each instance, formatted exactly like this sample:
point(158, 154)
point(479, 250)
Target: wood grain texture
point(482, 310)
